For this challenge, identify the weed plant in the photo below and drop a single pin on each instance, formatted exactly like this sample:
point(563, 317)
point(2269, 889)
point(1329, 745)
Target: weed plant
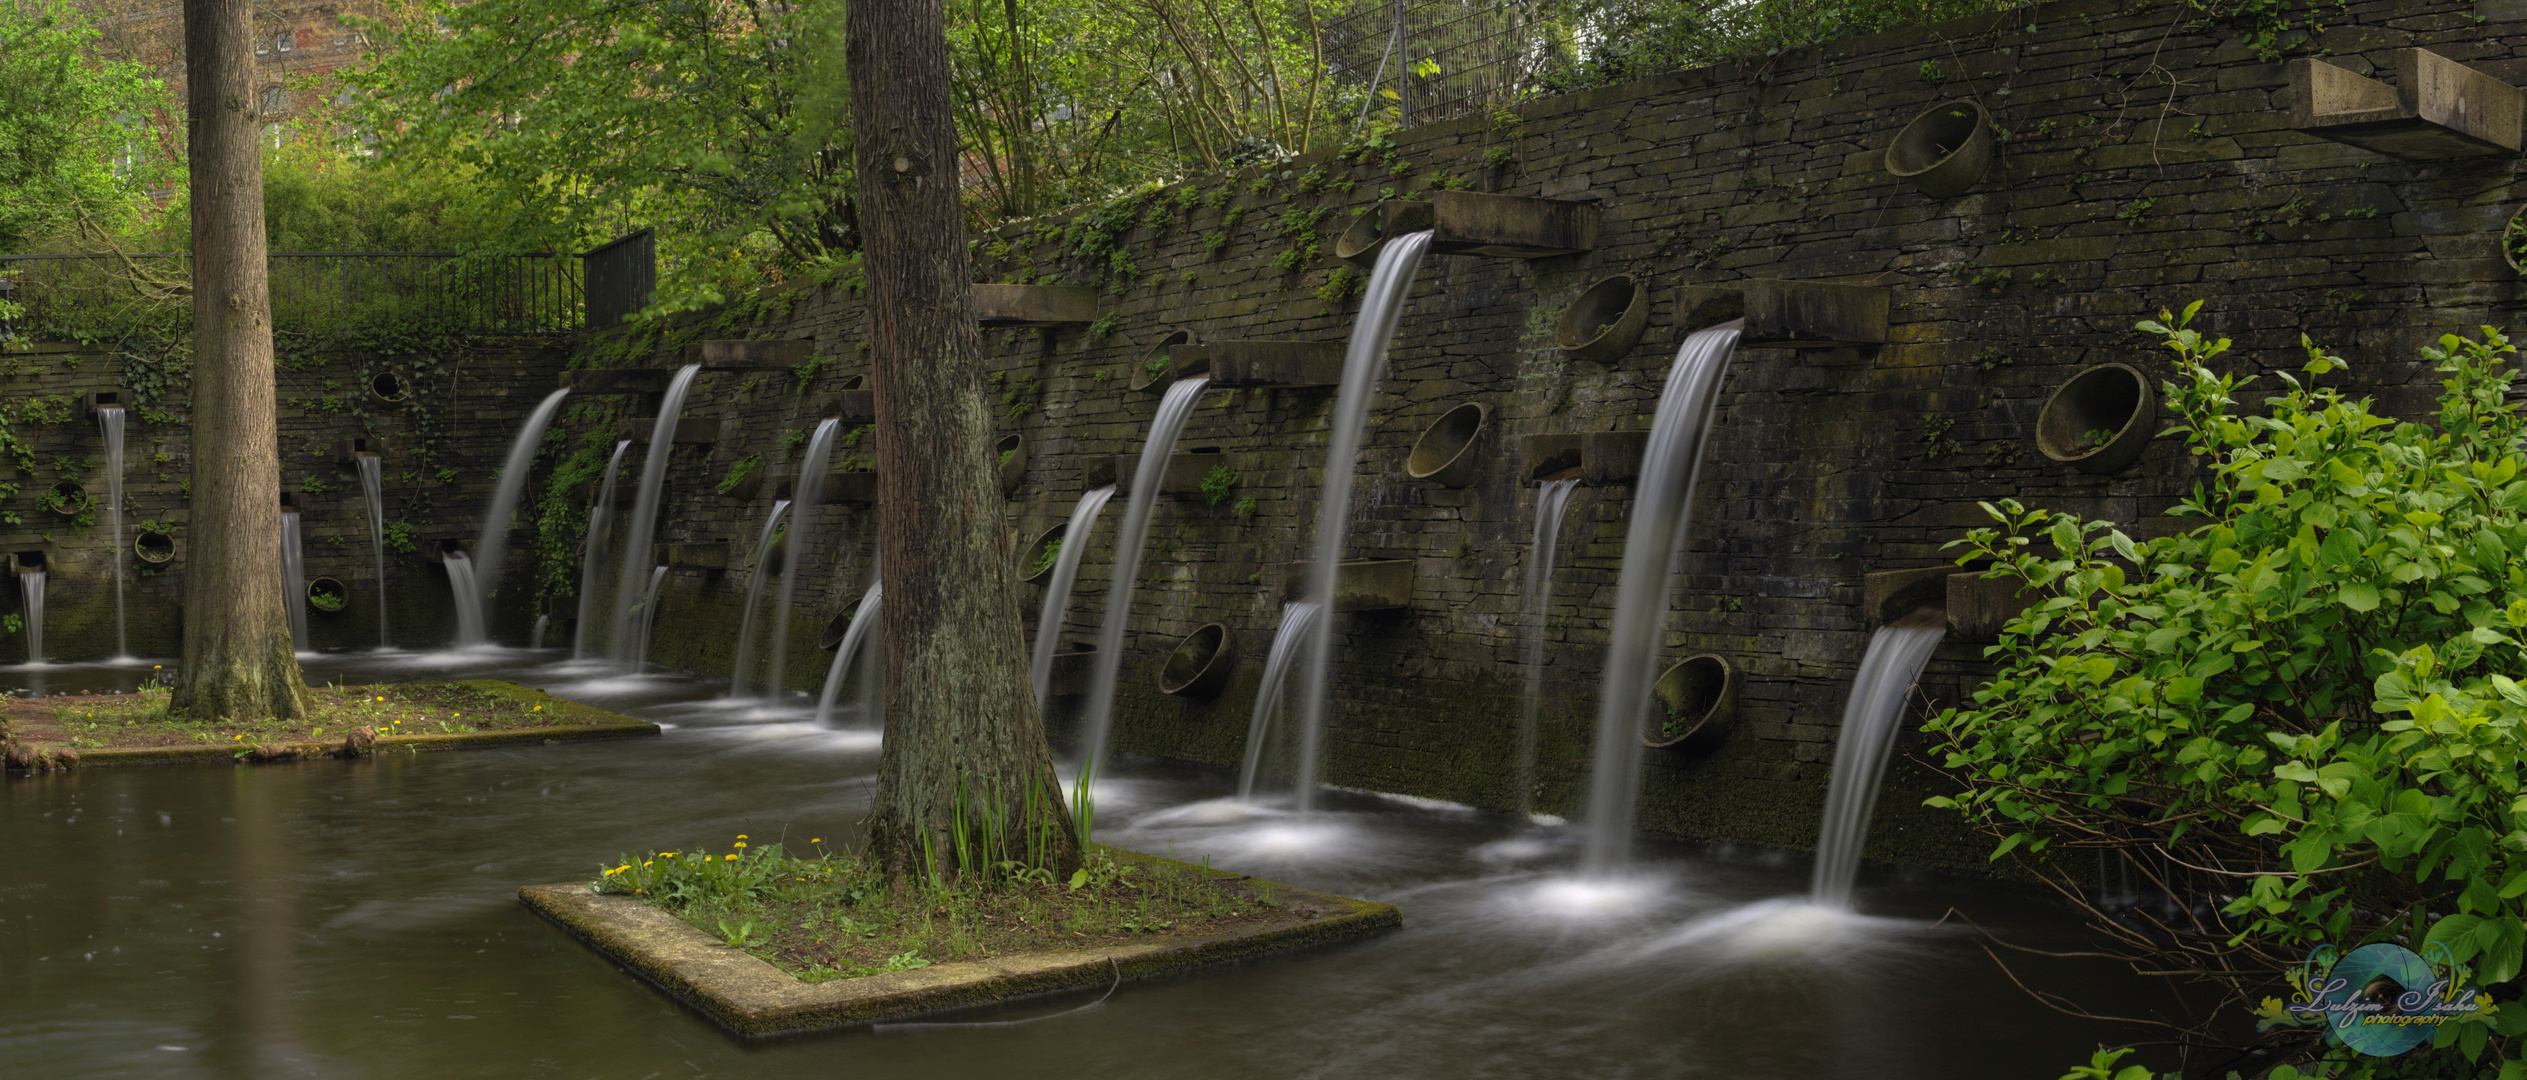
point(833, 915)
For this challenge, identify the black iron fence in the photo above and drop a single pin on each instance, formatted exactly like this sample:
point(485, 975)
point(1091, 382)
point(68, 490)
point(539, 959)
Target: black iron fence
point(507, 294)
point(621, 275)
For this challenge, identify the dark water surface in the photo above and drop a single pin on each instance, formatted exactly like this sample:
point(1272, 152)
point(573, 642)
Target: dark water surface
point(359, 919)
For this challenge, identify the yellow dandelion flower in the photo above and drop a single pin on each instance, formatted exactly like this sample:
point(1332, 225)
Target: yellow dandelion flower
point(616, 870)
point(732, 858)
point(740, 843)
point(815, 839)
point(381, 697)
point(666, 854)
point(741, 836)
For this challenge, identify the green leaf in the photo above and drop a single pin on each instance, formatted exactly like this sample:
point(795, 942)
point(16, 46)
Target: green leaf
point(2358, 596)
point(2457, 932)
point(1079, 878)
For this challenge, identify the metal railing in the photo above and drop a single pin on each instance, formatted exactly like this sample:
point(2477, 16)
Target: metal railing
point(1442, 58)
point(312, 290)
point(621, 276)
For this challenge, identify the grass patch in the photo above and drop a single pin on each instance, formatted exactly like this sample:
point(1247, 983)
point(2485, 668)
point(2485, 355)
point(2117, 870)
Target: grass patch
point(832, 915)
point(102, 721)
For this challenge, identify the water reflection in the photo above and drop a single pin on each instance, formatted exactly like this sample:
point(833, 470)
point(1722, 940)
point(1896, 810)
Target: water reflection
point(358, 919)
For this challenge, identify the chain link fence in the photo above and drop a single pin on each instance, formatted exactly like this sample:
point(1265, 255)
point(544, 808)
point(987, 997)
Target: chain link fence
point(1433, 60)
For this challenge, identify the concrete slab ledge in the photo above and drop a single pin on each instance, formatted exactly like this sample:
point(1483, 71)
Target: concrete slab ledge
point(752, 998)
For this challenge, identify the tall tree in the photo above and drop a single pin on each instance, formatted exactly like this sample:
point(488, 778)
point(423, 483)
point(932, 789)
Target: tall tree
point(963, 736)
point(239, 662)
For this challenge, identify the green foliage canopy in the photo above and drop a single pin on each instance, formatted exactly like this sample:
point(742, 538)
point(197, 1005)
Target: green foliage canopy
point(74, 147)
point(714, 121)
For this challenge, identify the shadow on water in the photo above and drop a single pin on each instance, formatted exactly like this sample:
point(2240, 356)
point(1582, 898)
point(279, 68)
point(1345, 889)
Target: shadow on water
point(358, 919)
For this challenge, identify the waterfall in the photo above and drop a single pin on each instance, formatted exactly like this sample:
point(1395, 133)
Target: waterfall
point(372, 488)
point(1897, 654)
point(504, 502)
point(111, 419)
point(467, 589)
point(1048, 625)
point(863, 627)
point(809, 489)
point(1553, 499)
point(1363, 367)
point(873, 678)
point(645, 610)
point(1653, 548)
point(535, 638)
point(754, 597)
point(1297, 618)
point(294, 576)
point(592, 556)
point(31, 587)
point(1143, 502)
point(631, 647)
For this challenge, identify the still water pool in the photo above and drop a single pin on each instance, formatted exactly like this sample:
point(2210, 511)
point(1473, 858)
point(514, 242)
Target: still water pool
point(359, 919)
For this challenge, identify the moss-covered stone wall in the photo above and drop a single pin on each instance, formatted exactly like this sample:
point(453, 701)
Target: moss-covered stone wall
point(441, 446)
point(2146, 161)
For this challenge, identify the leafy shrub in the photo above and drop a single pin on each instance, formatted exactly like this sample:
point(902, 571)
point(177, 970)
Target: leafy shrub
point(2302, 710)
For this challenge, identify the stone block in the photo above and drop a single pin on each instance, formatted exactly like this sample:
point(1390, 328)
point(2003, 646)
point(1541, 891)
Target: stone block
point(1361, 584)
point(747, 355)
point(690, 431)
point(1978, 606)
point(617, 381)
point(1034, 305)
point(1282, 363)
point(1509, 226)
point(710, 556)
point(2438, 108)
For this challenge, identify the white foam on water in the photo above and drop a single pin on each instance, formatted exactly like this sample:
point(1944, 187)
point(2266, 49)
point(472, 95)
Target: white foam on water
point(1782, 930)
point(808, 732)
point(1523, 849)
point(442, 659)
point(1208, 812)
point(1414, 801)
point(1572, 898)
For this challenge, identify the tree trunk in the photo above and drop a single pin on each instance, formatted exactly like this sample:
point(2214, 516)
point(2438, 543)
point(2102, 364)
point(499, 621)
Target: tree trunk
point(239, 662)
point(961, 720)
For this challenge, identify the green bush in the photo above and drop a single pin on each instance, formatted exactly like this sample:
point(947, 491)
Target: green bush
point(2302, 708)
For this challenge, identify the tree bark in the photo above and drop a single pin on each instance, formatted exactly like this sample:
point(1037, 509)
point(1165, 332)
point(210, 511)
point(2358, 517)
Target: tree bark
point(238, 662)
point(960, 710)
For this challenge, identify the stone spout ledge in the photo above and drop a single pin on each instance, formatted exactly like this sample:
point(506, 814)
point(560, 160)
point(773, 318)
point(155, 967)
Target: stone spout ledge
point(752, 998)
